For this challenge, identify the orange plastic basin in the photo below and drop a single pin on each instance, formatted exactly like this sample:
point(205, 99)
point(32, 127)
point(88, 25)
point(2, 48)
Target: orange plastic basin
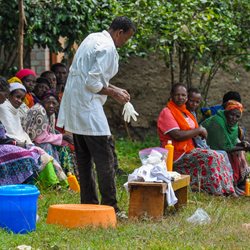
point(82, 215)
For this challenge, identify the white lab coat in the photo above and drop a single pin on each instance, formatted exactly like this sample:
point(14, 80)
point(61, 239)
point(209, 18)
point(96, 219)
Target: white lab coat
point(95, 63)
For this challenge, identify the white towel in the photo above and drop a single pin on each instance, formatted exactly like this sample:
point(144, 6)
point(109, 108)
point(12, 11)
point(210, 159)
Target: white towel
point(164, 176)
point(151, 173)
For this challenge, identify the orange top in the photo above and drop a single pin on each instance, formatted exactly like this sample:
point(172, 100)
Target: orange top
point(177, 112)
point(175, 117)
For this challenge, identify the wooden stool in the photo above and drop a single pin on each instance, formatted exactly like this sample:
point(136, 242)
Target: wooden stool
point(149, 198)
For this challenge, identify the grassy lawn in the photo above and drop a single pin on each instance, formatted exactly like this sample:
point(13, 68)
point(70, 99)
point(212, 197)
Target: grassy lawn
point(172, 232)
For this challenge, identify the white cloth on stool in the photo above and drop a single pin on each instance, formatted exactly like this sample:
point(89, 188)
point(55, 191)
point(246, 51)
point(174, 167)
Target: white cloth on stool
point(154, 173)
point(163, 175)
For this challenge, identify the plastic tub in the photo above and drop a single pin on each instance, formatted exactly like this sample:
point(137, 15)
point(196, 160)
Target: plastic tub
point(82, 215)
point(18, 207)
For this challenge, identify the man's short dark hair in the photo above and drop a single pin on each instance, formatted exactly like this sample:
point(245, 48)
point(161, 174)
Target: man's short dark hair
point(42, 80)
point(122, 22)
point(231, 95)
point(57, 65)
point(193, 90)
point(46, 73)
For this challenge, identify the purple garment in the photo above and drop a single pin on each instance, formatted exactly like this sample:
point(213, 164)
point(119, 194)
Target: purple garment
point(2, 131)
point(17, 164)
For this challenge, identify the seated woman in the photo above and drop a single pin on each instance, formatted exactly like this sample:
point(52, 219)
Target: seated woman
point(40, 125)
point(28, 78)
point(42, 86)
point(223, 134)
point(207, 168)
point(210, 111)
point(23, 109)
point(52, 172)
point(50, 75)
point(17, 164)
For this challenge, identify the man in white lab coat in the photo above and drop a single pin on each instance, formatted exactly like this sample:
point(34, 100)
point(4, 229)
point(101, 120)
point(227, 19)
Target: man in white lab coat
point(81, 110)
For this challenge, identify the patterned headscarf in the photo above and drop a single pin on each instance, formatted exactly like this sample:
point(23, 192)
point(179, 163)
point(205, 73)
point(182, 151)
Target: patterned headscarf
point(231, 104)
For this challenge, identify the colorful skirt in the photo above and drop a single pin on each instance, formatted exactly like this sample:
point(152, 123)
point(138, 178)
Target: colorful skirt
point(61, 154)
point(17, 164)
point(208, 171)
point(67, 159)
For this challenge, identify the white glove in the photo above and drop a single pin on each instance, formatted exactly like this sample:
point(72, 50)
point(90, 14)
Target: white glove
point(128, 112)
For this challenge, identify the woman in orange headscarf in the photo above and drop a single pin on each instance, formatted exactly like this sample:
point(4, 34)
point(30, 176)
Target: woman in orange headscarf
point(207, 168)
point(223, 134)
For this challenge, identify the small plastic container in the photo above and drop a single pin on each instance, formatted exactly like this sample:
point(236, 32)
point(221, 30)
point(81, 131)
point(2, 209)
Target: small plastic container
point(145, 153)
point(73, 182)
point(247, 186)
point(170, 157)
point(18, 208)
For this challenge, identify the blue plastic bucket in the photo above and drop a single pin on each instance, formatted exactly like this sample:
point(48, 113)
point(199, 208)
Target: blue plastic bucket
point(18, 207)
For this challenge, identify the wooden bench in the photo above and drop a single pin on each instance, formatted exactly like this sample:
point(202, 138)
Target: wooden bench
point(149, 198)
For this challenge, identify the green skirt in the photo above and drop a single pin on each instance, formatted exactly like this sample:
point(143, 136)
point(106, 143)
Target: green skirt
point(48, 178)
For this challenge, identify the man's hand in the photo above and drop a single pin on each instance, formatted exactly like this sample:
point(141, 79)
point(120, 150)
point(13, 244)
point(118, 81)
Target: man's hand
point(120, 95)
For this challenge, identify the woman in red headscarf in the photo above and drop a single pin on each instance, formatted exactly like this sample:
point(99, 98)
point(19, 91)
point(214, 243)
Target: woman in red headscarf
point(28, 78)
point(207, 168)
point(223, 134)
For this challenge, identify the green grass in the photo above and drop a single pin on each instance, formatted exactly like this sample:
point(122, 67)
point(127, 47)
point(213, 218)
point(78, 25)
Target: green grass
point(172, 232)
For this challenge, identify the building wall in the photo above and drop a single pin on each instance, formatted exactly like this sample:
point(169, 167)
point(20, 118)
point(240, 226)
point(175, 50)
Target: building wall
point(40, 59)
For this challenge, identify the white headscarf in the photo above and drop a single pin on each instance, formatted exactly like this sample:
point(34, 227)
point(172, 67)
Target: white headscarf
point(16, 85)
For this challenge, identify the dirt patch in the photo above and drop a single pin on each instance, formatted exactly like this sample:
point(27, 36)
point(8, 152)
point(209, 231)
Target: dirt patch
point(148, 82)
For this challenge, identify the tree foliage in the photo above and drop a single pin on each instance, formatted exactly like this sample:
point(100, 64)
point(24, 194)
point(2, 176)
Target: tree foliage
point(47, 21)
point(195, 37)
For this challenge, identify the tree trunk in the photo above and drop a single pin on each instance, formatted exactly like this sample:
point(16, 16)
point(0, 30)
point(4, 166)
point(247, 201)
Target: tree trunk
point(171, 60)
point(21, 34)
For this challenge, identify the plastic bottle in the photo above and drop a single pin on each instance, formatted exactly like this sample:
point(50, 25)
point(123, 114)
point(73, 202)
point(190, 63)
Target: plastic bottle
point(73, 183)
point(169, 160)
point(247, 186)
